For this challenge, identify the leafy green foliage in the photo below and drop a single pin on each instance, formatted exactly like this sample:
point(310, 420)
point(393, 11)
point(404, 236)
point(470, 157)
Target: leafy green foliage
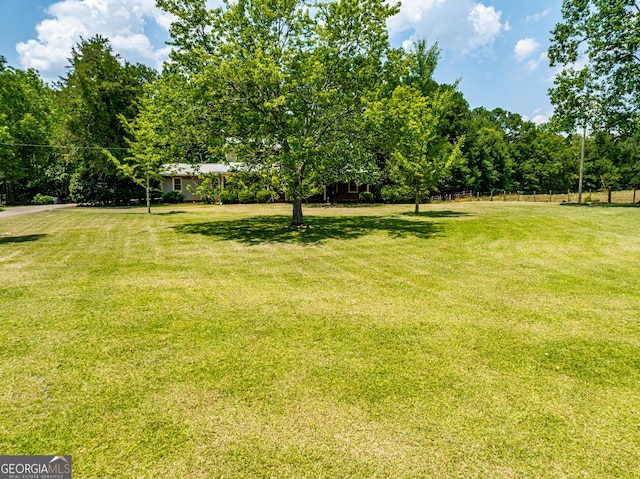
point(208, 189)
point(99, 96)
point(246, 196)
point(410, 121)
point(144, 160)
point(605, 36)
point(228, 196)
point(173, 197)
point(397, 194)
point(27, 118)
point(366, 197)
point(88, 187)
point(264, 196)
point(504, 152)
point(307, 97)
point(43, 199)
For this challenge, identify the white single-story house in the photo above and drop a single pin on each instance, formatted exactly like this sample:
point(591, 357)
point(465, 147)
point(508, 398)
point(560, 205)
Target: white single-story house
point(176, 176)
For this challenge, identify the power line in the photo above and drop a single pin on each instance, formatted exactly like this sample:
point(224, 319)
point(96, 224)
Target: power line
point(68, 147)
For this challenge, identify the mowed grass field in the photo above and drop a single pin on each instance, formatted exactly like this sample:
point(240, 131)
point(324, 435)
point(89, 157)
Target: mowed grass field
point(497, 340)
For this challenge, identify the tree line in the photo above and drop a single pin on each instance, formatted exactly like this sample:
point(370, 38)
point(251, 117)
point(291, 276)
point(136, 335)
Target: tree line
point(304, 96)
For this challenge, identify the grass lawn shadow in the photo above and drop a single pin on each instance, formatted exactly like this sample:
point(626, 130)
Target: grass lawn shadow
point(436, 214)
point(168, 213)
point(603, 205)
point(275, 229)
point(20, 239)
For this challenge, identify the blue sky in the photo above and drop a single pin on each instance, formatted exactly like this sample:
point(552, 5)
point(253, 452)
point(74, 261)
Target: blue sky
point(497, 48)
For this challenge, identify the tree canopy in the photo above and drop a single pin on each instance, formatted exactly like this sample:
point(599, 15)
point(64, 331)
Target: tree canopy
point(27, 117)
point(96, 94)
point(409, 124)
point(288, 78)
point(307, 94)
point(598, 47)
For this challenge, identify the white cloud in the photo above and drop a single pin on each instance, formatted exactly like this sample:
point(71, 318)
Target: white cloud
point(525, 48)
point(123, 22)
point(538, 16)
point(533, 63)
point(486, 25)
point(537, 119)
point(540, 119)
point(459, 26)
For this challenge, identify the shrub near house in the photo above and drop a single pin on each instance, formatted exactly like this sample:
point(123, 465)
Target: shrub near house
point(173, 197)
point(43, 200)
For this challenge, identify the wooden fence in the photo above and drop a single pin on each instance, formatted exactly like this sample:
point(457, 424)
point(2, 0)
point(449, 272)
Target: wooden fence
point(613, 197)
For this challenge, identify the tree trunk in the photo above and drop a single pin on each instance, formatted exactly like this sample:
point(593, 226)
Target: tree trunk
point(148, 196)
point(297, 219)
point(582, 148)
point(417, 210)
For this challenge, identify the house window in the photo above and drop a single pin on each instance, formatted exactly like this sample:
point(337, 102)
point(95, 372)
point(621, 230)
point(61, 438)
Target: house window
point(177, 184)
point(353, 188)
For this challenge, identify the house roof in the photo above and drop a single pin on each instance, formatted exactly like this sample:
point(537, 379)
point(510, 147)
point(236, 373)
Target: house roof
point(188, 169)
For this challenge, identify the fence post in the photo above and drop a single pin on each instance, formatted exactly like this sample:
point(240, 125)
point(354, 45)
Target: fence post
point(549, 196)
point(504, 195)
point(534, 196)
point(478, 196)
point(634, 197)
point(609, 195)
point(518, 193)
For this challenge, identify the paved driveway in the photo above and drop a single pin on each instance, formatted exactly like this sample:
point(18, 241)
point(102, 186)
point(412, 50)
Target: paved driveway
point(22, 210)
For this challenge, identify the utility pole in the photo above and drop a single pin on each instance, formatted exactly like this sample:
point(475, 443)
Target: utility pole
point(584, 139)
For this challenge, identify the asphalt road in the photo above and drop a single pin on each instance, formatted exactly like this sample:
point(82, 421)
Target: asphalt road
point(23, 210)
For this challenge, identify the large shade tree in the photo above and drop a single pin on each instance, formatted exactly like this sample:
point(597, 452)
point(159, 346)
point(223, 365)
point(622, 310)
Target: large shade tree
point(285, 82)
point(97, 92)
point(27, 118)
point(598, 47)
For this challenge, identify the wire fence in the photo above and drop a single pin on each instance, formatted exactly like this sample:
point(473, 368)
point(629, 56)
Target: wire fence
point(617, 197)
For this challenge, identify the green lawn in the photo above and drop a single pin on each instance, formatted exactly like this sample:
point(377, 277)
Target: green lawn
point(475, 340)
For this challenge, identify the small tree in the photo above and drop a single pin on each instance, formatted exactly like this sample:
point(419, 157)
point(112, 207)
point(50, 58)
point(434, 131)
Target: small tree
point(143, 162)
point(574, 97)
point(411, 123)
point(420, 157)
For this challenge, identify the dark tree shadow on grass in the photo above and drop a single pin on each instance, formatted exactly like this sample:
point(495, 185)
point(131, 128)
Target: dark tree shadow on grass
point(275, 229)
point(20, 239)
point(167, 213)
point(436, 214)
